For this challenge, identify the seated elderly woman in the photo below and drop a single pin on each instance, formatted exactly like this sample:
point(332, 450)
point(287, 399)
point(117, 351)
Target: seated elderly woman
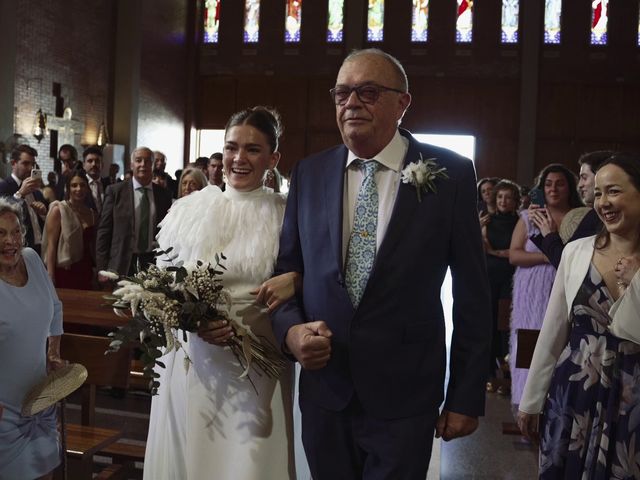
point(191, 180)
point(32, 314)
point(585, 369)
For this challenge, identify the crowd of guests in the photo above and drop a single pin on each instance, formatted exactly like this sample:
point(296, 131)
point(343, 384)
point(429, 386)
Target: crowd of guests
point(79, 225)
point(365, 326)
point(569, 262)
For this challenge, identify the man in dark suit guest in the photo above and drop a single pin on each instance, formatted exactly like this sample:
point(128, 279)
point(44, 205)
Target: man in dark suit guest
point(214, 170)
point(131, 212)
point(160, 165)
point(22, 188)
point(368, 327)
point(113, 177)
point(92, 164)
point(68, 157)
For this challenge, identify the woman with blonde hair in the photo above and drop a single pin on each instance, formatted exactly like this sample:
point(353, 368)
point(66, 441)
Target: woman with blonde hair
point(191, 180)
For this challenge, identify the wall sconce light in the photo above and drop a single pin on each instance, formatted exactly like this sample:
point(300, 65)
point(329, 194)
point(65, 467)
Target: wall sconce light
point(40, 125)
point(103, 135)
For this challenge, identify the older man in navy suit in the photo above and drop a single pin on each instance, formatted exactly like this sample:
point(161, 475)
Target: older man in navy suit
point(368, 327)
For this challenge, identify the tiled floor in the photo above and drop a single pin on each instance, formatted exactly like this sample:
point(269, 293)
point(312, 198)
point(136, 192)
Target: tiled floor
point(488, 454)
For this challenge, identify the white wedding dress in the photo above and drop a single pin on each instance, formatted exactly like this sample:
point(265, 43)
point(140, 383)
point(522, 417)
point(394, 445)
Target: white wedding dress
point(205, 421)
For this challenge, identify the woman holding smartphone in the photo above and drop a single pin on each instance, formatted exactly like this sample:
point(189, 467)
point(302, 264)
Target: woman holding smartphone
point(534, 275)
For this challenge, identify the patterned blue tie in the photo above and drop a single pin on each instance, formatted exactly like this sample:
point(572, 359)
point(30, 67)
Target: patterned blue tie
point(362, 243)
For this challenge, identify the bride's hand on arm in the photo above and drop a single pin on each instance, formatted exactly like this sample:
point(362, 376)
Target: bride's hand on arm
point(216, 332)
point(277, 290)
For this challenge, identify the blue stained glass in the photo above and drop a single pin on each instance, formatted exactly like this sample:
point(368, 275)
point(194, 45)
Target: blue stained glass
point(599, 21)
point(464, 22)
point(293, 21)
point(251, 21)
point(510, 14)
point(211, 20)
point(552, 15)
point(420, 21)
point(335, 22)
point(375, 21)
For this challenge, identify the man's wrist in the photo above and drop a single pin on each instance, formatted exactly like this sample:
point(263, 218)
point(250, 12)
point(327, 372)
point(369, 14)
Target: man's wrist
point(17, 196)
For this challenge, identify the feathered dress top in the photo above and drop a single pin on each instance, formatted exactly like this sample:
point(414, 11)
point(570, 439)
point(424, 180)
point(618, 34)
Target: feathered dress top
point(206, 422)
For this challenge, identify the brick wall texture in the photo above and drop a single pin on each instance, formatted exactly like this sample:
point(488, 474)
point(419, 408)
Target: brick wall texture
point(70, 42)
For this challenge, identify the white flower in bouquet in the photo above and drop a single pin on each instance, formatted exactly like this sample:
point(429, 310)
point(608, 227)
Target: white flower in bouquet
point(165, 300)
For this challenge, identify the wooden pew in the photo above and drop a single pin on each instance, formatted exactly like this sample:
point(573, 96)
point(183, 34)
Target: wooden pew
point(84, 440)
point(524, 353)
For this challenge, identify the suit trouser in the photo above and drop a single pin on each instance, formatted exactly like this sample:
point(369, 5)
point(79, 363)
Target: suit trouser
point(353, 445)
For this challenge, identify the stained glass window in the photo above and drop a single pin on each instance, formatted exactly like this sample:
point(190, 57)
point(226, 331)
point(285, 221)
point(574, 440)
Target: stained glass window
point(375, 21)
point(552, 14)
point(251, 21)
point(599, 20)
point(420, 21)
point(510, 12)
point(211, 20)
point(293, 20)
point(464, 22)
point(335, 22)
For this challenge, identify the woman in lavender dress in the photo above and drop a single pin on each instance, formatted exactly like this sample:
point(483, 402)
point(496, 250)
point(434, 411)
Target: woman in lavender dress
point(534, 275)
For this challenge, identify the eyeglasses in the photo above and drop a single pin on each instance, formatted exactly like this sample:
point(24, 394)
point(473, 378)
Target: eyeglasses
point(368, 93)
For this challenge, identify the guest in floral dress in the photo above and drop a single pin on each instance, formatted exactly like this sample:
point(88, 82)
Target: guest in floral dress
point(588, 355)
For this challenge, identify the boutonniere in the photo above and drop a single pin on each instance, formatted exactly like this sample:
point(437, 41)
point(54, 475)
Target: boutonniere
point(423, 174)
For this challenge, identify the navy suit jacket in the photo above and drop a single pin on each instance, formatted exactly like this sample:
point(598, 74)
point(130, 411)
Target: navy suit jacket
point(390, 351)
point(8, 187)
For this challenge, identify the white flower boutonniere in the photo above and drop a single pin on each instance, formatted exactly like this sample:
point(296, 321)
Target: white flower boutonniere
point(423, 174)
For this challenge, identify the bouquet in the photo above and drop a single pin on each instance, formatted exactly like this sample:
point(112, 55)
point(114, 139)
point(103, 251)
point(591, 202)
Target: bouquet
point(162, 300)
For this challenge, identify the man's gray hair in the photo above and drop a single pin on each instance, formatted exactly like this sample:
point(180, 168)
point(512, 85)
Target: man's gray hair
point(138, 149)
point(393, 61)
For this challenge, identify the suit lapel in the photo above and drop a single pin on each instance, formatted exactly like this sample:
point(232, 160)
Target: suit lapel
point(333, 189)
point(405, 205)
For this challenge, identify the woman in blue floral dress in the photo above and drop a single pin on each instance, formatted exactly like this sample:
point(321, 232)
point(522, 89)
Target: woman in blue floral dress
point(591, 423)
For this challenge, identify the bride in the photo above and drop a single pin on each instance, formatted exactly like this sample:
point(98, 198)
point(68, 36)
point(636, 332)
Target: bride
point(205, 421)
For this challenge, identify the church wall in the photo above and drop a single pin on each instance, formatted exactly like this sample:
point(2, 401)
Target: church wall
point(66, 43)
point(163, 79)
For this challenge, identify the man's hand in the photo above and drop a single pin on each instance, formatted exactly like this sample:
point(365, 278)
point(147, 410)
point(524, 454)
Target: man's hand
point(29, 185)
point(452, 425)
point(310, 343)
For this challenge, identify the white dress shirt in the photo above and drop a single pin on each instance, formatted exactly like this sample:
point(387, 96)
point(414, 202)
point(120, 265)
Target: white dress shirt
point(387, 179)
point(137, 198)
point(96, 191)
point(33, 216)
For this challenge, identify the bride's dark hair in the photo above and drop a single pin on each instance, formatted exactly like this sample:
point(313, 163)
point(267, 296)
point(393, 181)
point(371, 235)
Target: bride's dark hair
point(265, 119)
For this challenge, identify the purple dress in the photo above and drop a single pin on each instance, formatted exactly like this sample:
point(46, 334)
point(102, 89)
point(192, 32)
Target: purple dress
point(531, 290)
